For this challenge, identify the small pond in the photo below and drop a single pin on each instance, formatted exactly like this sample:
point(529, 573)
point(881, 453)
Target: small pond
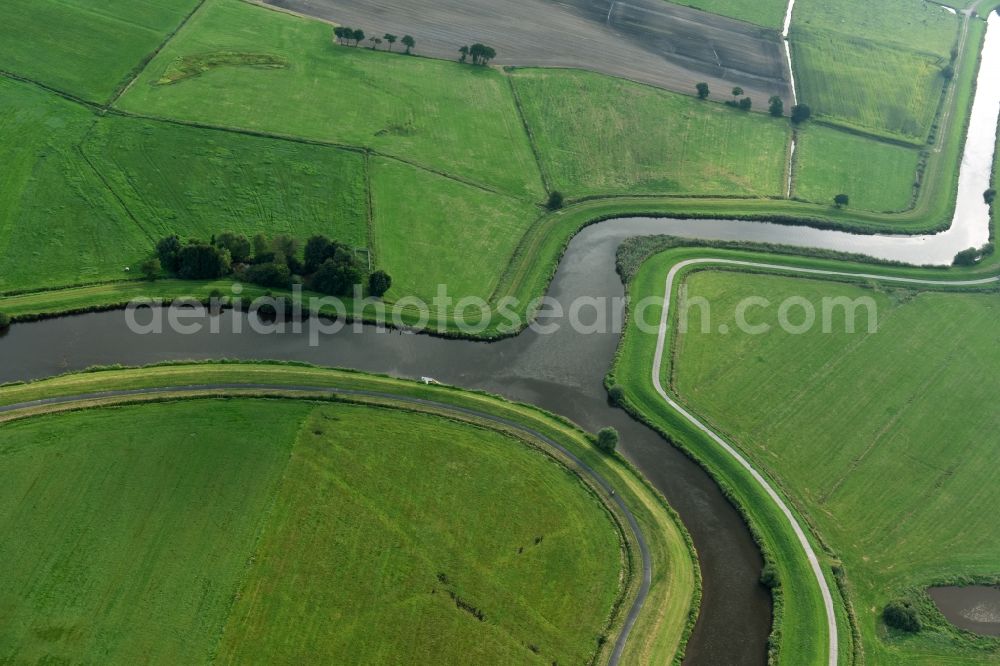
point(975, 608)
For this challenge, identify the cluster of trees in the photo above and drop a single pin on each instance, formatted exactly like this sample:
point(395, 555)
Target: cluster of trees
point(776, 107)
point(327, 266)
point(480, 54)
point(345, 35)
point(973, 256)
point(744, 104)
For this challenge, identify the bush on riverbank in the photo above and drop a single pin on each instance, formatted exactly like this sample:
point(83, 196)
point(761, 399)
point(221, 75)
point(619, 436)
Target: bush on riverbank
point(4, 321)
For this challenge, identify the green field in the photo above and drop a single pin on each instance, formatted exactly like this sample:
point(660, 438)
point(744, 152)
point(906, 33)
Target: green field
point(768, 13)
point(910, 24)
point(600, 135)
point(830, 416)
point(197, 183)
point(420, 216)
point(461, 120)
point(860, 83)
point(877, 176)
point(85, 48)
point(58, 223)
point(372, 517)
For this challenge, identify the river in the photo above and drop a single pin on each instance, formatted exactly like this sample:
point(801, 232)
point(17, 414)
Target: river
point(563, 372)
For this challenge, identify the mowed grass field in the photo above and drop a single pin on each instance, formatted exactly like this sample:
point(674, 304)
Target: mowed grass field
point(453, 118)
point(832, 416)
point(767, 13)
point(195, 530)
point(858, 82)
point(86, 48)
point(599, 135)
point(432, 230)
point(197, 183)
point(910, 24)
point(58, 223)
point(877, 176)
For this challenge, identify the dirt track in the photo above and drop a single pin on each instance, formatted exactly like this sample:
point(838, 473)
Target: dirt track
point(649, 41)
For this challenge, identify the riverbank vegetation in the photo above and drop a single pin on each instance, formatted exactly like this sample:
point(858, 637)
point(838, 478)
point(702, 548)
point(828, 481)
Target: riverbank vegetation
point(487, 593)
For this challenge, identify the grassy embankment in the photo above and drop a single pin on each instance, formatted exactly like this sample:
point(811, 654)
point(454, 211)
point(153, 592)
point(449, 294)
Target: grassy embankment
point(801, 621)
point(307, 454)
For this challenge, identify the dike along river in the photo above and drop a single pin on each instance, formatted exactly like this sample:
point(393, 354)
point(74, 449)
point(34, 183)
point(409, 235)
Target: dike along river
point(562, 372)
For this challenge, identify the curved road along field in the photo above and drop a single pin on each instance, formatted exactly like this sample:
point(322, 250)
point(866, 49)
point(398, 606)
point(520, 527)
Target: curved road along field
point(647, 573)
point(831, 617)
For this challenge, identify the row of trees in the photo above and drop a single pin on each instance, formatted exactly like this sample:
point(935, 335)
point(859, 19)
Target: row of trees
point(776, 106)
point(326, 266)
point(480, 54)
point(346, 36)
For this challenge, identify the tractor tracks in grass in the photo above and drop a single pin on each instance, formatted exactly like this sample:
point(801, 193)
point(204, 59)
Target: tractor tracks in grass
point(645, 580)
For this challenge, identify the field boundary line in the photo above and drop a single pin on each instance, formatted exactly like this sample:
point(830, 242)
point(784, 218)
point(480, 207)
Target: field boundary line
point(810, 553)
point(546, 181)
point(137, 71)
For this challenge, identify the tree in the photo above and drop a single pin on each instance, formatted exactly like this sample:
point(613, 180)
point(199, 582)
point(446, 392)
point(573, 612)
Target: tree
point(336, 278)
point(616, 394)
point(286, 246)
point(358, 35)
point(769, 576)
point(989, 196)
point(342, 32)
point(168, 250)
point(607, 440)
point(555, 201)
point(319, 248)
point(465, 54)
point(201, 261)
point(379, 283)
point(776, 106)
point(737, 91)
point(261, 247)
point(4, 321)
point(746, 104)
point(703, 90)
point(375, 41)
point(801, 113)
point(272, 274)
point(409, 43)
point(390, 39)
point(902, 615)
point(968, 257)
point(948, 72)
point(841, 200)
point(237, 244)
point(481, 54)
point(151, 269)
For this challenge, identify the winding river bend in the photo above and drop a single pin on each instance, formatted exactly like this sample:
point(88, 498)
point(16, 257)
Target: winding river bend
point(563, 372)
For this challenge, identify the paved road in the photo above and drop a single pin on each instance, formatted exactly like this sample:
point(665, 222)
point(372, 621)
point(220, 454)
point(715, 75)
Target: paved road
point(640, 538)
point(831, 618)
